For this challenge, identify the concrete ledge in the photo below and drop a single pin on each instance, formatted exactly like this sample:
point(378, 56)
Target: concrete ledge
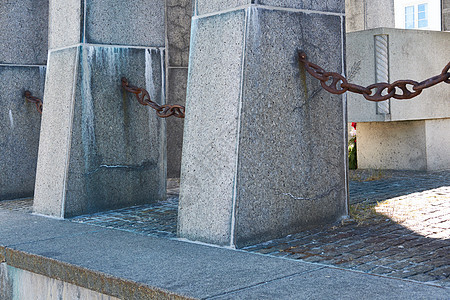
point(92, 280)
point(132, 266)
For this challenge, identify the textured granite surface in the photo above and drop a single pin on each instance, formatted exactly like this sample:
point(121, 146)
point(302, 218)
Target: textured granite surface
point(178, 18)
point(55, 133)
point(24, 32)
point(132, 22)
point(111, 148)
point(209, 146)
point(113, 22)
point(210, 6)
point(117, 148)
point(335, 6)
point(291, 164)
point(19, 137)
point(270, 161)
point(176, 94)
point(65, 26)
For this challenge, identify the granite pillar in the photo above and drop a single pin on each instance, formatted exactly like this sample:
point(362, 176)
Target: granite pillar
point(100, 149)
point(264, 151)
point(23, 58)
point(178, 20)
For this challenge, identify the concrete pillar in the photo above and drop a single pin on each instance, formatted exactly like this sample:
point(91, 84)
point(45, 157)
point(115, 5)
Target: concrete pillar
point(23, 58)
point(264, 145)
point(178, 19)
point(99, 148)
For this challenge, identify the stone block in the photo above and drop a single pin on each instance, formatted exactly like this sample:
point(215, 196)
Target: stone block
point(264, 145)
point(132, 22)
point(335, 6)
point(209, 143)
point(66, 23)
point(178, 19)
point(19, 137)
point(392, 145)
point(24, 32)
point(176, 94)
point(55, 133)
point(210, 6)
point(112, 22)
point(438, 143)
point(100, 148)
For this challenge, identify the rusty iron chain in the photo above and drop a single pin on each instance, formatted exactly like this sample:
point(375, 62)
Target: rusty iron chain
point(30, 98)
point(335, 83)
point(143, 97)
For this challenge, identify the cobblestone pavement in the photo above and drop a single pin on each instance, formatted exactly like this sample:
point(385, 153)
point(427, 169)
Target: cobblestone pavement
point(400, 226)
point(405, 237)
point(159, 219)
point(377, 185)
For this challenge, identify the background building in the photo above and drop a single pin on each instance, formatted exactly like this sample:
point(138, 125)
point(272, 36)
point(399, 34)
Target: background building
point(384, 44)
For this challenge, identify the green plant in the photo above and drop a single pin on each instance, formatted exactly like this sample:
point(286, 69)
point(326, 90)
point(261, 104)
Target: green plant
point(352, 159)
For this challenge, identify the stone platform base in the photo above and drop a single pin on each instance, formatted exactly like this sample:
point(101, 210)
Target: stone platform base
point(59, 259)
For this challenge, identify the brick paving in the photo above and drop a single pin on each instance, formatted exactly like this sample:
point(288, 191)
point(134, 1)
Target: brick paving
point(402, 230)
point(159, 219)
point(400, 226)
point(378, 185)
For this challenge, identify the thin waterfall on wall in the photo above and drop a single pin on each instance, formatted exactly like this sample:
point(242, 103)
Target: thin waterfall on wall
point(163, 77)
point(87, 116)
point(149, 83)
point(11, 120)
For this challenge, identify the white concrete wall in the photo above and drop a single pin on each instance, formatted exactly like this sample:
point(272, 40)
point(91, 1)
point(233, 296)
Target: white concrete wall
point(391, 145)
point(413, 54)
point(438, 144)
point(434, 13)
point(404, 145)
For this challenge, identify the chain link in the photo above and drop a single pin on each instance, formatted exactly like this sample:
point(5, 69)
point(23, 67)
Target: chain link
point(143, 97)
point(30, 98)
point(335, 83)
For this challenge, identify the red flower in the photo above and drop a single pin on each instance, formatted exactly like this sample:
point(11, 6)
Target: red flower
point(354, 125)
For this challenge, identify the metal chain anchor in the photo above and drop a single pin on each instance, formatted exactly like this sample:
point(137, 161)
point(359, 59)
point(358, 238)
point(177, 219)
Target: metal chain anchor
point(30, 98)
point(163, 111)
point(374, 92)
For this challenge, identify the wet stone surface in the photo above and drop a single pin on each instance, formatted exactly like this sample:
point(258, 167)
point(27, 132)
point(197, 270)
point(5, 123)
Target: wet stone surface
point(404, 236)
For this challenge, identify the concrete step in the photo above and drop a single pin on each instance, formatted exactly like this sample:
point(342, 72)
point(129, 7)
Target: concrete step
point(127, 265)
